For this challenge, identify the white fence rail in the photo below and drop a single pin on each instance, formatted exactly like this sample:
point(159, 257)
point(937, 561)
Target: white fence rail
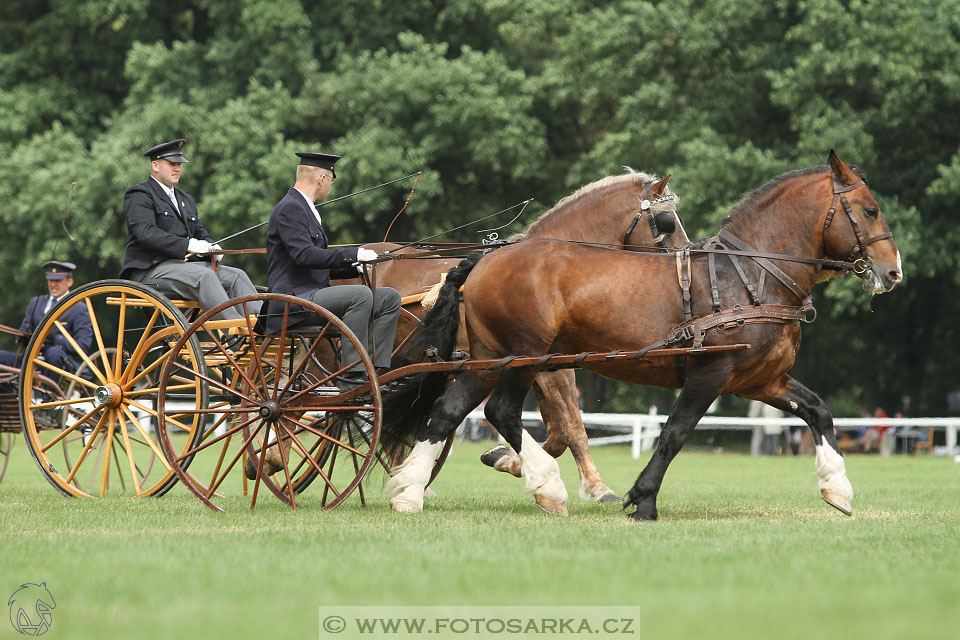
point(642, 429)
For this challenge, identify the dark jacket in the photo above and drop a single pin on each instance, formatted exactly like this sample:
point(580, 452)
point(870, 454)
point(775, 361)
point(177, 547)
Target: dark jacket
point(298, 260)
point(154, 230)
point(76, 321)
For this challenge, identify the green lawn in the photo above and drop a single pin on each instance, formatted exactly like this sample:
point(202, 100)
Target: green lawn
point(744, 548)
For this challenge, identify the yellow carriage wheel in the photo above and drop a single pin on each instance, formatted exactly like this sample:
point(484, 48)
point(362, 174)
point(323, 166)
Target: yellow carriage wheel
point(98, 435)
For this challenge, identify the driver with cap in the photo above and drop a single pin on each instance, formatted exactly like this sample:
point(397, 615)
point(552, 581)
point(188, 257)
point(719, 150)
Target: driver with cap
point(167, 244)
point(299, 263)
point(76, 321)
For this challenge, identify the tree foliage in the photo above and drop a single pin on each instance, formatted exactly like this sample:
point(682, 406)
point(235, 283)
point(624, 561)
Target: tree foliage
point(498, 101)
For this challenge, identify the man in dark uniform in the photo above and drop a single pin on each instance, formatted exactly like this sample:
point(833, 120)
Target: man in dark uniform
point(166, 243)
point(58, 351)
point(299, 263)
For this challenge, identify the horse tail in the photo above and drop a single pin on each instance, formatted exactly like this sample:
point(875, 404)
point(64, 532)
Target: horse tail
point(407, 402)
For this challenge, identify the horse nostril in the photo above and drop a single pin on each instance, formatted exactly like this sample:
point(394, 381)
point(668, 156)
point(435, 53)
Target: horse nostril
point(895, 276)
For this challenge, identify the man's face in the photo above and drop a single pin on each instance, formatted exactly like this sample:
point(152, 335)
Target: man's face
point(59, 287)
point(325, 182)
point(168, 173)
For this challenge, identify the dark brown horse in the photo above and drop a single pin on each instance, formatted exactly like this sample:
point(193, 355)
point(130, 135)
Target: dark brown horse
point(634, 211)
point(582, 299)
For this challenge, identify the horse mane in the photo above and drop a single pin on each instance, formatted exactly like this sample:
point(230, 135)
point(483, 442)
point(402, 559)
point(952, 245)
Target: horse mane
point(749, 200)
point(629, 176)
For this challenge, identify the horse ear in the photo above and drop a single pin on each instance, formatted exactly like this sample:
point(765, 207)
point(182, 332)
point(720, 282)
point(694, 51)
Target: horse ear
point(659, 188)
point(841, 170)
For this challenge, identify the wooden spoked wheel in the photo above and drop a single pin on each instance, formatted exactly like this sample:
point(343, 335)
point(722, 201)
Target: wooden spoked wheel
point(275, 388)
point(100, 437)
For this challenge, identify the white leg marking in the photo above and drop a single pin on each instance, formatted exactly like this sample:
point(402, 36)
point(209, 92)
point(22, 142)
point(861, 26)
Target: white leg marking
point(510, 463)
point(542, 475)
point(832, 472)
point(411, 477)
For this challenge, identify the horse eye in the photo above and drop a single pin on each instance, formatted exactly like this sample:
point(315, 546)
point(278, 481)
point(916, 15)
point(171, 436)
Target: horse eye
point(871, 212)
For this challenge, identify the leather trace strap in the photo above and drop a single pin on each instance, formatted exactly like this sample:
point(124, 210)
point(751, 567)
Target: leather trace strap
point(697, 328)
point(768, 265)
point(683, 277)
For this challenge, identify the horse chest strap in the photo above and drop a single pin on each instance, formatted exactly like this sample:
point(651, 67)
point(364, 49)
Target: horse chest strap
point(683, 276)
point(714, 285)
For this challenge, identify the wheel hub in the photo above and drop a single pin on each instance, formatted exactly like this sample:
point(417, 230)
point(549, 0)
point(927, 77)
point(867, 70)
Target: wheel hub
point(109, 395)
point(270, 410)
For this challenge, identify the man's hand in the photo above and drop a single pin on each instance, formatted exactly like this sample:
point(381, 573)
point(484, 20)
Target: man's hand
point(199, 247)
point(366, 255)
point(216, 247)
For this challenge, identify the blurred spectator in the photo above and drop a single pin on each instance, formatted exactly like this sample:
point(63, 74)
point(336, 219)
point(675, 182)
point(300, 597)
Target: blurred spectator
point(868, 436)
point(953, 400)
point(765, 440)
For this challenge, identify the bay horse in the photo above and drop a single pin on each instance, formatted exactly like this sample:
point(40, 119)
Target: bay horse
point(588, 299)
point(635, 211)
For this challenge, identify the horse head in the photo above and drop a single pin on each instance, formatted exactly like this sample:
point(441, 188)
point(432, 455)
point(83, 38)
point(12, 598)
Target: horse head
point(860, 233)
point(632, 210)
point(666, 228)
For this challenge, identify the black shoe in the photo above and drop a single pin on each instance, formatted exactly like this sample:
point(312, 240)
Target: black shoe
point(43, 419)
point(350, 382)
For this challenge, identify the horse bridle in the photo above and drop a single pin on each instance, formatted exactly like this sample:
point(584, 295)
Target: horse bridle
point(858, 256)
point(645, 205)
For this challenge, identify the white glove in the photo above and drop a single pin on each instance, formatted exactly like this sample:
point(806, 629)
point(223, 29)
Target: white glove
point(216, 247)
point(366, 255)
point(198, 247)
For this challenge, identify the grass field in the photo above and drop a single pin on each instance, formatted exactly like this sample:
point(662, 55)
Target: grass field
point(744, 549)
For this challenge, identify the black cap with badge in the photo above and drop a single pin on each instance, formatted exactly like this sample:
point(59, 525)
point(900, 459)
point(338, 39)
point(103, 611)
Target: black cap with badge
point(167, 151)
point(322, 160)
point(56, 270)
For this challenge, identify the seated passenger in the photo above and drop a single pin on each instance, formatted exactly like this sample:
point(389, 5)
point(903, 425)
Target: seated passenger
point(167, 243)
point(299, 263)
point(58, 351)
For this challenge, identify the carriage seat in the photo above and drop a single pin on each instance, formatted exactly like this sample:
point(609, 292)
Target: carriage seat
point(300, 329)
point(10, 413)
point(179, 301)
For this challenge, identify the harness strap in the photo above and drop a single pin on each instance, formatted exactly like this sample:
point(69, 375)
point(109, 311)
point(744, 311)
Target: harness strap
point(633, 224)
point(684, 280)
point(774, 270)
point(714, 285)
point(754, 296)
point(696, 330)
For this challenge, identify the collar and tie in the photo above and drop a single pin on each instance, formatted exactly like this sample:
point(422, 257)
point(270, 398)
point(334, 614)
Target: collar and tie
point(313, 207)
point(50, 302)
point(172, 196)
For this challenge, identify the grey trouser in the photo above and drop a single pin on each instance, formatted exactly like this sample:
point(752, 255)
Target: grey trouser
point(198, 281)
point(352, 303)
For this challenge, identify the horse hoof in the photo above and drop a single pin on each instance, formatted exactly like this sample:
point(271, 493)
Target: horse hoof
point(837, 501)
point(640, 517)
point(610, 497)
point(492, 456)
point(402, 504)
point(553, 507)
